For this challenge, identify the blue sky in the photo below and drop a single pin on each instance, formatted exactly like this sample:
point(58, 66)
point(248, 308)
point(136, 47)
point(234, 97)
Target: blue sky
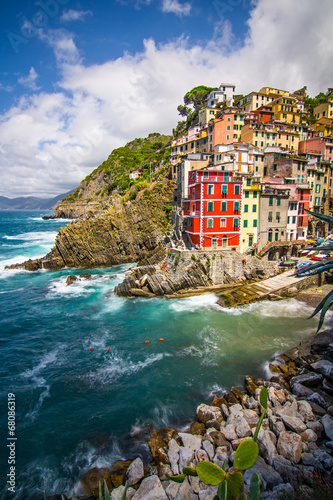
point(79, 78)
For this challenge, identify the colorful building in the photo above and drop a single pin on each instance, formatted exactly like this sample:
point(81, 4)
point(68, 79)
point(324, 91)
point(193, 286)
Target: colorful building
point(250, 215)
point(225, 94)
point(213, 209)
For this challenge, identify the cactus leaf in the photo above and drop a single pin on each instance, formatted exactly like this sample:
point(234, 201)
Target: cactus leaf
point(263, 397)
point(246, 454)
point(210, 473)
point(100, 496)
point(106, 492)
point(74, 496)
point(190, 471)
point(235, 483)
point(255, 487)
point(177, 479)
point(222, 491)
point(125, 491)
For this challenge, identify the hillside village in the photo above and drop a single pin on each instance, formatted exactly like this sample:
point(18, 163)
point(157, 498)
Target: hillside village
point(247, 168)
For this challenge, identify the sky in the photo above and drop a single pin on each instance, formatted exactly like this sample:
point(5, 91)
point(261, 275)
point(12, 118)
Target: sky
point(80, 78)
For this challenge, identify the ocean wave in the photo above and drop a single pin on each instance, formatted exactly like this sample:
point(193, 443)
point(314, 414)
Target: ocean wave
point(33, 236)
point(50, 358)
point(116, 367)
point(193, 304)
point(288, 308)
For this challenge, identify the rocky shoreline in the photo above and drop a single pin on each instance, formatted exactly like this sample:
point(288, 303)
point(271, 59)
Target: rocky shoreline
point(295, 440)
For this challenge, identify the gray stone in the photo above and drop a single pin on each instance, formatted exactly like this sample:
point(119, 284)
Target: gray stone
point(309, 379)
point(229, 432)
point(209, 449)
point(318, 399)
point(282, 491)
point(221, 456)
point(186, 455)
point(243, 429)
point(288, 472)
point(327, 422)
point(201, 456)
point(305, 410)
point(306, 492)
point(287, 411)
point(173, 456)
point(267, 446)
point(324, 457)
point(252, 404)
point(182, 491)
point(135, 472)
point(309, 436)
point(190, 441)
point(205, 413)
point(251, 417)
point(209, 493)
point(163, 470)
point(195, 483)
point(324, 367)
point(150, 489)
point(327, 386)
point(117, 493)
point(236, 410)
point(317, 409)
point(309, 459)
point(294, 424)
point(301, 391)
point(268, 475)
point(225, 411)
point(317, 427)
point(290, 446)
point(276, 425)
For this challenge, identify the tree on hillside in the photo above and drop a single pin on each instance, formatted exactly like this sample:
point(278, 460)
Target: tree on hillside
point(184, 110)
point(197, 96)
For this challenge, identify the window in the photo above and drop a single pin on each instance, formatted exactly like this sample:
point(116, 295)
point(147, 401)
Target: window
point(300, 221)
point(270, 216)
point(245, 223)
point(247, 194)
point(228, 127)
point(236, 206)
point(317, 201)
point(278, 216)
point(317, 188)
point(278, 202)
point(226, 177)
point(255, 193)
point(223, 206)
point(224, 241)
point(255, 223)
point(189, 222)
point(210, 206)
point(246, 208)
point(276, 234)
point(193, 193)
point(223, 222)
point(210, 188)
point(224, 189)
point(254, 208)
point(209, 223)
point(248, 182)
point(237, 189)
point(236, 223)
point(294, 219)
point(270, 235)
point(193, 207)
point(205, 175)
point(270, 200)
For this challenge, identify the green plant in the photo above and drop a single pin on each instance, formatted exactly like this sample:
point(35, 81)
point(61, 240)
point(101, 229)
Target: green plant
point(106, 496)
point(318, 268)
point(193, 257)
point(177, 259)
point(231, 484)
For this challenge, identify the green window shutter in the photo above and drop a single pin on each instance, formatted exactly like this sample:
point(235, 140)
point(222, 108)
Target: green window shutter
point(246, 208)
point(271, 201)
point(247, 194)
point(254, 208)
point(237, 189)
point(236, 206)
point(278, 202)
point(210, 207)
point(236, 222)
point(224, 189)
point(223, 206)
point(255, 223)
point(245, 223)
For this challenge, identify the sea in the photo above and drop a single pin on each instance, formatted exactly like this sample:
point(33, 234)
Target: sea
point(91, 374)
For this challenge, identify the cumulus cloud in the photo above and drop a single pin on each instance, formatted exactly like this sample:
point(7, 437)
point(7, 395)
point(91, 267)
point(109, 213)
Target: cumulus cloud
point(50, 141)
point(29, 81)
point(175, 7)
point(75, 15)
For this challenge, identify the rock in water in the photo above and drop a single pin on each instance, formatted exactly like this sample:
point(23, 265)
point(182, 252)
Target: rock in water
point(91, 479)
point(70, 279)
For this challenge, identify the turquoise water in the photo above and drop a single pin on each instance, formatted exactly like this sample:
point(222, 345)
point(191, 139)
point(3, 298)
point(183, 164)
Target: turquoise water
point(78, 408)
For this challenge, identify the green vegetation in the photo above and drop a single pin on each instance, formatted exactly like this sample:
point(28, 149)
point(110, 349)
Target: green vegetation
point(149, 155)
point(106, 495)
point(197, 96)
point(231, 484)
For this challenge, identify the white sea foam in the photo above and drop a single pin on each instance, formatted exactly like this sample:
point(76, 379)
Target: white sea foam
point(33, 236)
point(51, 357)
point(214, 390)
point(116, 367)
point(193, 304)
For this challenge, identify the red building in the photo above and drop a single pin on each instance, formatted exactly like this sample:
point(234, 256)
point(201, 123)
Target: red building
point(213, 209)
point(303, 197)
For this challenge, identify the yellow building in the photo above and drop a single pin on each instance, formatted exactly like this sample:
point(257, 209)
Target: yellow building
point(285, 110)
point(325, 126)
point(274, 92)
point(250, 215)
point(324, 110)
point(265, 96)
point(207, 114)
point(264, 135)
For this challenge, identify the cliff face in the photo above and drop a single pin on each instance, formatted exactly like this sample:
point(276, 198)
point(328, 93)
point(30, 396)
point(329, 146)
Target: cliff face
point(129, 231)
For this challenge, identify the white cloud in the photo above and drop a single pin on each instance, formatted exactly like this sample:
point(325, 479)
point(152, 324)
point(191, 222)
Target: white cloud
point(75, 15)
point(51, 141)
point(175, 7)
point(29, 81)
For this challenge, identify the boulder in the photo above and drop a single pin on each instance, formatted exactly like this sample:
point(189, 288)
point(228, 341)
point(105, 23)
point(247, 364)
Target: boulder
point(180, 491)
point(318, 399)
point(267, 446)
point(209, 449)
point(209, 493)
point(301, 391)
point(267, 474)
point(173, 456)
point(138, 292)
point(309, 436)
point(118, 472)
point(282, 491)
point(287, 471)
point(243, 429)
point(305, 410)
point(317, 427)
point(117, 493)
point(290, 446)
point(197, 428)
point(229, 432)
point(160, 439)
point(190, 441)
point(135, 472)
point(309, 379)
point(309, 459)
point(324, 367)
point(91, 479)
point(276, 425)
point(324, 457)
point(221, 456)
point(150, 489)
point(71, 279)
point(327, 422)
point(251, 384)
point(186, 455)
point(294, 424)
point(85, 276)
point(205, 413)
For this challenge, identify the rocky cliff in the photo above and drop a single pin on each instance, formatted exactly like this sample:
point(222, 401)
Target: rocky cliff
point(128, 231)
